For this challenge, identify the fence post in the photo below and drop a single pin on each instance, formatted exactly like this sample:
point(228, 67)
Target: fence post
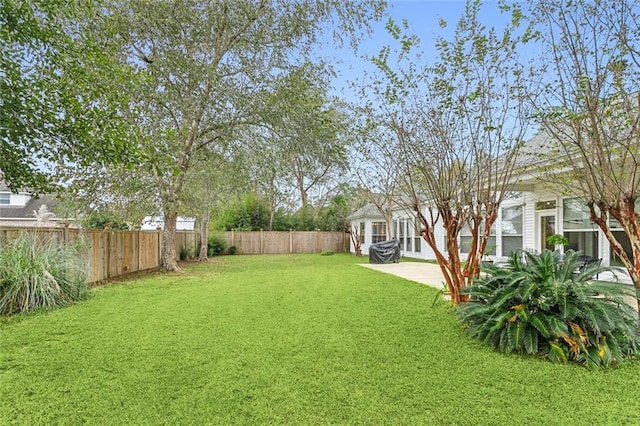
point(346, 243)
point(107, 265)
point(139, 250)
point(261, 241)
point(290, 241)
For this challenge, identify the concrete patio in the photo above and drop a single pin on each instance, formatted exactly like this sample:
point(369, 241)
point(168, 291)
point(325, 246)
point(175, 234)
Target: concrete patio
point(430, 274)
point(423, 273)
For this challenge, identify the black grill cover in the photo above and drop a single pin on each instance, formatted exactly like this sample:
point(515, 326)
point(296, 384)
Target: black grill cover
point(385, 251)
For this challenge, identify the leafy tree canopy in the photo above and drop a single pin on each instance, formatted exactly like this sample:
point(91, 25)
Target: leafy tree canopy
point(59, 97)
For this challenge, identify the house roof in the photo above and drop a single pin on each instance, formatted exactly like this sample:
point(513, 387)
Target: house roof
point(369, 210)
point(5, 188)
point(26, 211)
point(537, 150)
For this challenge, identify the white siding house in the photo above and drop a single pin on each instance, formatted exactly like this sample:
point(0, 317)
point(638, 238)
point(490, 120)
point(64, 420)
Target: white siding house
point(370, 225)
point(526, 218)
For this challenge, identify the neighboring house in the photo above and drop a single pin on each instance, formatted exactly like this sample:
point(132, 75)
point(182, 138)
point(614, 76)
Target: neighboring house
point(157, 222)
point(526, 218)
point(17, 210)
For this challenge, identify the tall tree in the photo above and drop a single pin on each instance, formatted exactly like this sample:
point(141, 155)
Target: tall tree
point(307, 129)
point(205, 65)
point(589, 104)
point(61, 97)
point(214, 179)
point(374, 161)
point(458, 124)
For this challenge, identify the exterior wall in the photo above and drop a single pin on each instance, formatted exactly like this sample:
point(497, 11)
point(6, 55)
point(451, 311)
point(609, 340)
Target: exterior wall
point(532, 239)
point(531, 233)
point(529, 221)
point(16, 200)
point(425, 251)
point(368, 227)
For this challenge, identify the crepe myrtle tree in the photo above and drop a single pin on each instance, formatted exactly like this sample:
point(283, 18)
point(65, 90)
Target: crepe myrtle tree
point(205, 67)
point(458, 124)
point(354, 235)
point(589, 104)
point(374, 163)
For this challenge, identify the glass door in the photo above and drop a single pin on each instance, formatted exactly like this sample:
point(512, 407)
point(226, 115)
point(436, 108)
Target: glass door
point(546, 228)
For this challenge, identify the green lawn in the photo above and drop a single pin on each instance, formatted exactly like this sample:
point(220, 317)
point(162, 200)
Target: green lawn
point(303, 339)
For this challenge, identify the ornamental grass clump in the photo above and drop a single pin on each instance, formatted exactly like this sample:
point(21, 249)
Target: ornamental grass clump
point(546, 306)
point(38, 274)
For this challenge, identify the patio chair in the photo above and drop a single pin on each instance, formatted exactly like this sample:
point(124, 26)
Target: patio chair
point(588, 262)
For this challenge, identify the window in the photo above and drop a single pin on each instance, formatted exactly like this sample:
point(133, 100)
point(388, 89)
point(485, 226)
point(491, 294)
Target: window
point(622, 238)
point(546, 205)
point(511, 229)
point(466, 238)
point(361, 232)
point(378, 232)
point(402, 227)
point(5, 198)
point(578, 228)
point(417, 238)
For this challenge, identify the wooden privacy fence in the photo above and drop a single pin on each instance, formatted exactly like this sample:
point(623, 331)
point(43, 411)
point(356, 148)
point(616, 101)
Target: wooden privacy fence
point(273, 242)
point(113, 253)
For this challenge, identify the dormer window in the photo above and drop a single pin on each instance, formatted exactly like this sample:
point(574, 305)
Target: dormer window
point(5, 198)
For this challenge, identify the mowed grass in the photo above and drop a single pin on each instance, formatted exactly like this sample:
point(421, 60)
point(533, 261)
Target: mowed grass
point(297, 339)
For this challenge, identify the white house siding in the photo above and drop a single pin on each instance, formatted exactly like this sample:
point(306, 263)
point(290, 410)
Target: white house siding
point(531, 234)
point(367, 215)
point(529, 220)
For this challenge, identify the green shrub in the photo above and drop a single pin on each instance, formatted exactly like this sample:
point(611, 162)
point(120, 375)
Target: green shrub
point(216, 245)
point(103, 220)
point(326, 253)
point(232, 250)
point(546, 306)
point(186, 253)
point(35, 274)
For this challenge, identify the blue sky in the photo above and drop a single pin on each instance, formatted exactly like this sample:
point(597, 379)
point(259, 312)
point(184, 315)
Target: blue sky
point(422, 17)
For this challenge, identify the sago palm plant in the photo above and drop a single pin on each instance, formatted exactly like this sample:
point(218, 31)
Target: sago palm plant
point(40, 274)
point(547, 306)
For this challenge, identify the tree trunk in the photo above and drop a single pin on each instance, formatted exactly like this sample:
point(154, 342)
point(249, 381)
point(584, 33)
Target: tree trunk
point(355, 239)
point(204, 236)
point(450, 266)
point(272, 215)
point(628, 220)
point(169, 262)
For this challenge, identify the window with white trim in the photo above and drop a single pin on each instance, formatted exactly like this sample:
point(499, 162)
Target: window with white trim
point(466, 238)
point(378, 232)
point(511, 229)
point(578, 227)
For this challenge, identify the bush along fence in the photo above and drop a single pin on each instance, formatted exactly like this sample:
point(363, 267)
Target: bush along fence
point(113, 253)
point(279, 242)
